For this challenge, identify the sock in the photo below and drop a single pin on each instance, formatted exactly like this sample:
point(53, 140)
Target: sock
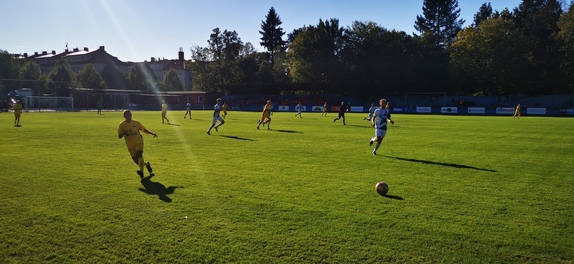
point(377, 147)
point(141, 163)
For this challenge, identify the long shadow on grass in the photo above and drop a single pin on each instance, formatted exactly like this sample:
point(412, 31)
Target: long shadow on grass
point(238, 138)
point(286, 131)
point(158, 189)
point(460, 166)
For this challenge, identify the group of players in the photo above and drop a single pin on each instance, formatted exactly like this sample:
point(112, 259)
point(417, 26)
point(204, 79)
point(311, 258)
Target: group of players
point(129, 129)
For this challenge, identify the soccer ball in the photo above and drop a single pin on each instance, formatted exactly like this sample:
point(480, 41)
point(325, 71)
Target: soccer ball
point(382, 188)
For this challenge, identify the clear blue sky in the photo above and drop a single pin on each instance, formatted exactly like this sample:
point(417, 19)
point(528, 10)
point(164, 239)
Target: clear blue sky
point(136, 30)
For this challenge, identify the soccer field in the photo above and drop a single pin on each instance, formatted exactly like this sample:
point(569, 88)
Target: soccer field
point(463, 189)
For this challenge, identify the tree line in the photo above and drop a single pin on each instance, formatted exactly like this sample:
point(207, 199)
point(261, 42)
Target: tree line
point(527, 50)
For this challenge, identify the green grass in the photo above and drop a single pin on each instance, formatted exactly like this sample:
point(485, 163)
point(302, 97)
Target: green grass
point(463, 189)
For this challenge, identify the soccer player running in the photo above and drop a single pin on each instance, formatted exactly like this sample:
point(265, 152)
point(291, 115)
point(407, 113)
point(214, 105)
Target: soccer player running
point(224, 109)
point(371, 112)
point(187, 110)
point(266, 115)
point(379, 121)
point(216, 117)
point(164, 111)
point(130, 130)
point(342, 109)
point(17, 112)
point(324, 109)
point(517, 112)
point(298, 108)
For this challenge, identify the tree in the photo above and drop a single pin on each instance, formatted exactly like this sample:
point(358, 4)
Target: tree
point(136, 79)
point(272, 34)
point(31, 71)
point(489, 57)
point(566, 37)
point(484, 12)
point(61, 77)
point(315, 55)
point(203, 77)
point(225, 48)
point(538, 22)
point(171, 82)
point(89, 77)
point(114, 77)
point(439, 23)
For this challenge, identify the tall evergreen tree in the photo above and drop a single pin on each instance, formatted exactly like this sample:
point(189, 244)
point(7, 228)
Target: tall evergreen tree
point(439, 23)
point(272, 34)
point(483, 14)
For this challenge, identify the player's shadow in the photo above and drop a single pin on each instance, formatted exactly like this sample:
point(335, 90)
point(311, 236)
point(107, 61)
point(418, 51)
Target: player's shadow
point(156, 188)
point(172, 124)
point(238, 138)
point(287, 131)
point(460, 166)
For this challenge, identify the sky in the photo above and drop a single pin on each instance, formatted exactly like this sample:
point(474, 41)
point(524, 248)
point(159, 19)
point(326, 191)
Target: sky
point(137, 30)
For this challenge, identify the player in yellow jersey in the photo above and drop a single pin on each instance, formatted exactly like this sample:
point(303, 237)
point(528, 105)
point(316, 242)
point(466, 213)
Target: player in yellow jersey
point(224, 109)
point(324, 109)
point(17, 112)
point(517, 112)
point(266, 115)
point(387, 106)
point(164, 111)
point(130, 130)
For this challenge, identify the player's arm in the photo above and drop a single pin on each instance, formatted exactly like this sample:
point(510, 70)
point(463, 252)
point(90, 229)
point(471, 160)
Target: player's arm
point(121, 132)
point(143, 129)
point(390, 120)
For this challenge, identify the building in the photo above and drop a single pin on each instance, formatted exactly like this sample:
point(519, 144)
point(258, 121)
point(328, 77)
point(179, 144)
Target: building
point(100, 58)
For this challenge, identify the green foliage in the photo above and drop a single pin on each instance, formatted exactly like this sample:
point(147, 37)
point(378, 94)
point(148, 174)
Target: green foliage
point(114, 77)
point(439, 23)
point(272, 34)
point(462, 190)
point(89, 77)
point(61, 78)
point(491, 56)
point(171, 82)
point(142, 77)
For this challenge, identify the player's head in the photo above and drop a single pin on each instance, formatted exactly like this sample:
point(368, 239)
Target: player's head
point(127, 114)
point(218, 100)
point(383, 102)
point(268, 101)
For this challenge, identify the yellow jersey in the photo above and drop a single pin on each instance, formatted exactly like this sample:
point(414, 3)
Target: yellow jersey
point(17, 108)
point(164, 107)
point(266, 111)
point(131, 131)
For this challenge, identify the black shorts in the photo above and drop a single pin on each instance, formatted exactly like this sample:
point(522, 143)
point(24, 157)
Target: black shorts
point(341, 114)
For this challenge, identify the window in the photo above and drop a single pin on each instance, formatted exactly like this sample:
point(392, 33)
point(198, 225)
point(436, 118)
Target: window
point(199, 99)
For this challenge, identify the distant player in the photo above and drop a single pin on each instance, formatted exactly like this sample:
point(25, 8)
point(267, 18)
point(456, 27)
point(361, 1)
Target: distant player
point(342, 110)
point(379, 121)
point(216, 117)
point(371, 111)
point(517, 112)
point(387, 105)
point(130, 130)
point(99, 105)
point(164, 112)
point(324, 109)
point(266, 115)
point(298, 107)
point(17, 112)
point(187, 110)
point(224, 109)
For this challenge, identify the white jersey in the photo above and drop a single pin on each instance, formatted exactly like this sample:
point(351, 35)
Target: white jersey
point(188, 106)
point(216, 110)
point(381, 116)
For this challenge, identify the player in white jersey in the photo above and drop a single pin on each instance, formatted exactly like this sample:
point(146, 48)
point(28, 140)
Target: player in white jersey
point(371, 112)
point(298, 108)
point(187, 110)
point(216, 117)
point(379, 121)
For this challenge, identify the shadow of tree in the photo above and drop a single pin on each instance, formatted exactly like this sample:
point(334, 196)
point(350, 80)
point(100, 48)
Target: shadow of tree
point(460, 166)
point(156, 188)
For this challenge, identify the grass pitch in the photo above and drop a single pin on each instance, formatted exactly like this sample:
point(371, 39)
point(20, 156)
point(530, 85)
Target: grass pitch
point(463, 189)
